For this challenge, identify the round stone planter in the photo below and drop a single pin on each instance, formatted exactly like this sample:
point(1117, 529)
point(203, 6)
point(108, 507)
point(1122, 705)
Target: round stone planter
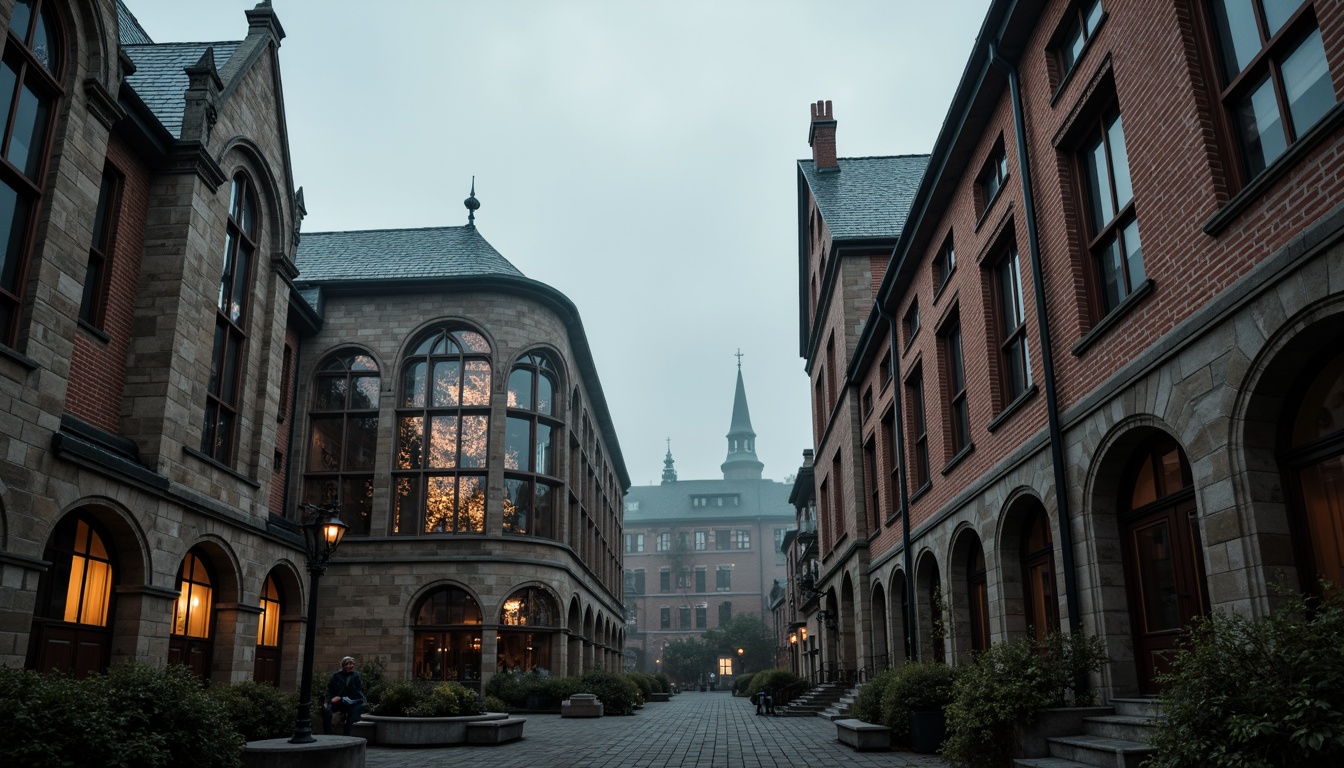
point(425, 731)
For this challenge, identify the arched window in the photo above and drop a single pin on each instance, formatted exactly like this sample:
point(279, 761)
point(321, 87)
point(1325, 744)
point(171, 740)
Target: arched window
point(268, 634)
point(30, 94)
point(193, 616)
point(443, 421)
point(529, 623)
point(223, 396)
point(977, 596)
point(74, 613)
point(344, 437)
point(1315, 456)
point(448, 637)
point(1038, 575)
point(531, 447)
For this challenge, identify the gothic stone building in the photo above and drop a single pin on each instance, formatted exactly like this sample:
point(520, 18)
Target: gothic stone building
point(1097, 382)
point(180, 371)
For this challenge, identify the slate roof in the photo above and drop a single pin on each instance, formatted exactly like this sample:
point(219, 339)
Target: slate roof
point(869, 196)
point(398, 254)
point(128, 27)
point(159, 80)
point(672, 501)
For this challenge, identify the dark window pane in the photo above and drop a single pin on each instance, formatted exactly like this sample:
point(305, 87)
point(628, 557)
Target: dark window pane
point(520, 389)
point(545, 463)
point(1134, 254)
point(517, 505)
point(25, 145)
point(410, 442)
point(361, 443)
point(545, 394)
point(357, 503)
point(1101, 205)
point(329, 394)
point(324, 449)
point(1238, 37)
point(1119, 165)
point(517, 444)
point(1277, 13)
point(413, 386)
point(364, 393)
point(475, 432)
point(1261, 129)
point(228, 377)
point(447, 380)
point(23, 16)
point(9, 80)
point(238, 303)
point(1306, 77)
point(46, 41)
point(13, 220)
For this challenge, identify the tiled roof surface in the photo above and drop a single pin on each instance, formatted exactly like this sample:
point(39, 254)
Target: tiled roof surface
point(398, 254)
point(869, 196)
point(129, 29)
point(673, 500)
point(160, 81)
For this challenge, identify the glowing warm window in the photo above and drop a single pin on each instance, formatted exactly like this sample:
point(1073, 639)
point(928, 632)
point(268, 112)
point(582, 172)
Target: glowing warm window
point(531, 441)
point(725, 666)
point(268, 630)
point(89, 589)
point(191, 612)
point(443, 425)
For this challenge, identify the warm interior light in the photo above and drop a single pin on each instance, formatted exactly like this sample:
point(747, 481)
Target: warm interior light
point(803, 633)
point(793, 638)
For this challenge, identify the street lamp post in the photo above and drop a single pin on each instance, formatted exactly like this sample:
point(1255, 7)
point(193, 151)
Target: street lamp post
point(322, 532)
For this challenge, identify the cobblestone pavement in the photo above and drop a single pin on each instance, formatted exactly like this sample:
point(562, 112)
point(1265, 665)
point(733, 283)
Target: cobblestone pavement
point(713, 730)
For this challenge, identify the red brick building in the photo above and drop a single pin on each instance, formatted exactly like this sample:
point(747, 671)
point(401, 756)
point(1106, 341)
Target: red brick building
point(1097, 383)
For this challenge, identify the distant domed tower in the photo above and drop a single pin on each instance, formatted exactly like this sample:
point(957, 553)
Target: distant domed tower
point(741, 463)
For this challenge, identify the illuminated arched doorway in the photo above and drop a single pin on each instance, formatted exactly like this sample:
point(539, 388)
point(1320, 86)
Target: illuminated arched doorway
point(192, 640)
point(268, 633)
point(73, 620)
point(447, 633)
point(527, 632)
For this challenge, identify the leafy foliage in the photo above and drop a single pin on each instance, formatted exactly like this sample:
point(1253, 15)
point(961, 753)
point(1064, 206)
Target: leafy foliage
point(619, 696)
point(772, 680)
point(257, 710)
point(134, 716)
point(373, 674)
point(867, 704)
point(423, 698)
point(917, 686)
point(495, 704)
point(1255, 693)
point(748, 632)
point(688, 660)
point(1007, 685)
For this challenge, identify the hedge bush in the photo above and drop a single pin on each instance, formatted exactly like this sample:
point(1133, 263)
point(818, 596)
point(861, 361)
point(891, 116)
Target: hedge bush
point(257, 710)
point(1258, 692)
point(1007, 685)
point(772, 680)
point(133, 716)
point(917, 686)
point(619, 696)
point(425, 698)
point(664, 682)
point(867, 704)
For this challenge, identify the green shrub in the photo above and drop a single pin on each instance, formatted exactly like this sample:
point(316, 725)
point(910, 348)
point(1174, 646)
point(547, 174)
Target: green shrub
point(645, 683)
point(619, 696)
point(917, 686)
point(426, 698)
point(131, 717)
point(742, 685)
point(1254, 693)
point(867, 704)
point(257, 710)
point(664, 682)
point(495, 704)
point(373, 674)
point(561, 688)
point(1006, 686)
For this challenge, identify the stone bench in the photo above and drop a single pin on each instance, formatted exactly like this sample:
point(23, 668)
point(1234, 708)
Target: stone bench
point(657, 696)
point(581, 705)
point(863, 736)
point(495, 731)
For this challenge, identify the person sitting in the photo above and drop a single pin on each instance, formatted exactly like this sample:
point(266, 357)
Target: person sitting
point(345, 693)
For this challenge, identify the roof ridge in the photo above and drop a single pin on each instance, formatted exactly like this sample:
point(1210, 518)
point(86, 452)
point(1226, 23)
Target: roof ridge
point(910, 156)
point(181, 43)
point(386, 229)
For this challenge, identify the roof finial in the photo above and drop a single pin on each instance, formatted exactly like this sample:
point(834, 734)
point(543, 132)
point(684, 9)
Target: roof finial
point(739, 358)
point(472, 204)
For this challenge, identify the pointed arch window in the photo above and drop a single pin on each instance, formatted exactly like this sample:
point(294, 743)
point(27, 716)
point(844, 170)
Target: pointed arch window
point(343, 436)
point(74, 613)
point(531, 447)
point(219, 437)
point(30, 94)
point(443, 422)
point(1315, 456)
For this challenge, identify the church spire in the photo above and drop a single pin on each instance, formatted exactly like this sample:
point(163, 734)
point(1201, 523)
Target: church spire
point(741, 463)
point(669, 473)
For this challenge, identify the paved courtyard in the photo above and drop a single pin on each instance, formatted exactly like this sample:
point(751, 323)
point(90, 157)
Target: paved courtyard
point(713, 730)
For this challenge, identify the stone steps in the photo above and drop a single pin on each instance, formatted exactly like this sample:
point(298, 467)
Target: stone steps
point(1118, 740)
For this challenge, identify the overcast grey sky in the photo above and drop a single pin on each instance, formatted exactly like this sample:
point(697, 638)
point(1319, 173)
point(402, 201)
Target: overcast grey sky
point(638, 156)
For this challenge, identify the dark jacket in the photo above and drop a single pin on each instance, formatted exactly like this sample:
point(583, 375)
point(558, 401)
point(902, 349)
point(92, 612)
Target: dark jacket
point(347, 685)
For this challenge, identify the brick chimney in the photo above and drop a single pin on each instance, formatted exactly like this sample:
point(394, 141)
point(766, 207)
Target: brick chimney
point(821, 137)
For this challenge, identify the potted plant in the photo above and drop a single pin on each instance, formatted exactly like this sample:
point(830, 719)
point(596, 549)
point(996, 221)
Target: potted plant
point(913, 702)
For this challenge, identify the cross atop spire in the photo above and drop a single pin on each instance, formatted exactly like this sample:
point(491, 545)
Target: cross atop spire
point(739, 358)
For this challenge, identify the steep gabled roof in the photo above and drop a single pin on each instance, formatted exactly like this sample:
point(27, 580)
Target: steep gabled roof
point(398, 254)
point(159, 79)
point(868, 197)
point(129, 30)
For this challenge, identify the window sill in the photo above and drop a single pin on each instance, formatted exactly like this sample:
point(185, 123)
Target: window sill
point(893, 518)
point(18, 357)
point(220, 466)
point(920, 491)
point(938, 294)
point(1113, 317)
point(1012, 408)
point(95, 331)
point(955, 460)
point(1253, 191)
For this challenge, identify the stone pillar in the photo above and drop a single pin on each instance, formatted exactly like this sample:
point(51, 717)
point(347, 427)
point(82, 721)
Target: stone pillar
point(19, 578)
point(235, 642)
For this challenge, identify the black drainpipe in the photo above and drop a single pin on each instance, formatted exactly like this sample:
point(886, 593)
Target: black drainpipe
point(911, 636)
point(1043, 328)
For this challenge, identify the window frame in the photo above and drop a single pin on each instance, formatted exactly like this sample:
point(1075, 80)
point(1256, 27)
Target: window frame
point(528, 476)
point(992, 178)
point(919, 428)
point(1265, 65)
point(956, 401)
point(944, 266)
point(1102, 237)
point(98, 269)
point(344, 477)
point(1074, 25)
point(1009, 307)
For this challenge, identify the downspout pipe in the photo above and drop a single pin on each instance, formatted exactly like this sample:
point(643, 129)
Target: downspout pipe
point(897, 437)
point(1043, 329)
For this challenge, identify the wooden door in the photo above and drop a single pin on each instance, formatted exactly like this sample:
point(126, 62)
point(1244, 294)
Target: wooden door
point(1165, 578)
